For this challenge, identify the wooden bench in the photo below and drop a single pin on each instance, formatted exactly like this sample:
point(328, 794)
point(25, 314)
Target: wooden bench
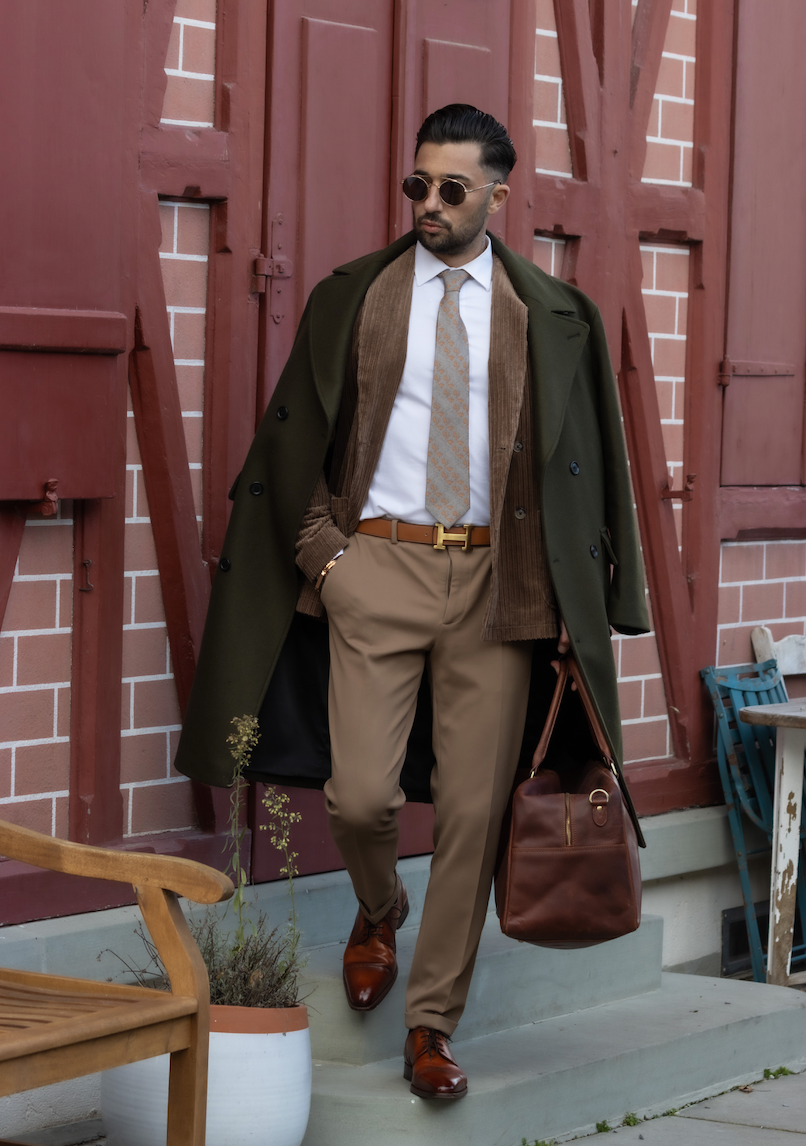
point(54, 1028)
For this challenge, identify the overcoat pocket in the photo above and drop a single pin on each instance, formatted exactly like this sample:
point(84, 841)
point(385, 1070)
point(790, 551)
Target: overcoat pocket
point(608, 546)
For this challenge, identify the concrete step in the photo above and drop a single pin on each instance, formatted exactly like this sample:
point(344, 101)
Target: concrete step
point(513, 984)
point(689, 1038)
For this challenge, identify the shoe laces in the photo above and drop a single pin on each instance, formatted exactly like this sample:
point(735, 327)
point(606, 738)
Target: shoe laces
point(370, 931)
point(436, 1042)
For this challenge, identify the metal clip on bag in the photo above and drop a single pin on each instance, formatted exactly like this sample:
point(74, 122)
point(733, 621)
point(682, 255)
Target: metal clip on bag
point(569, 874)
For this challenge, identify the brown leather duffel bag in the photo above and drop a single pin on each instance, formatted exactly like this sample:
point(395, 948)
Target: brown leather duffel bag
point(569, 874)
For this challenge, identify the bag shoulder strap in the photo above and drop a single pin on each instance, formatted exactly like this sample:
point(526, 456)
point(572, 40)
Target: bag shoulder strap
point(569, 668)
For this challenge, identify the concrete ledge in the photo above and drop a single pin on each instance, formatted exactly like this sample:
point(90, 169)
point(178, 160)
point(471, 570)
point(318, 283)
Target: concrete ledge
point(513, 983)
point(555, 1079)
point(695, 840)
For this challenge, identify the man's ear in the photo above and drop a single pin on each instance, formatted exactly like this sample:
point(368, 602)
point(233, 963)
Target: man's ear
point(498, 198)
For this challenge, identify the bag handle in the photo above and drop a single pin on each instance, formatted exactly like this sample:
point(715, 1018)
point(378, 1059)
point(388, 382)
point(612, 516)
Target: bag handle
point(569, 667)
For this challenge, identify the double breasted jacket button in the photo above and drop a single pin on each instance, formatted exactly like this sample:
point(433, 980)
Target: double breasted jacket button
point(225, 565)
point(518, 447)
point(520, 513)
point(256, 488)
point(574, 468)
point(282, 413)
point(594, 551)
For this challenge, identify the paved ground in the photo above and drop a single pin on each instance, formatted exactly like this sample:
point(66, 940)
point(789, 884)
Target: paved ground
point(769, 1113)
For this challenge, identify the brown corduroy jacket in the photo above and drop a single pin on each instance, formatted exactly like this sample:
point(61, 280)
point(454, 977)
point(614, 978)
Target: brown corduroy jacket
point(521, 603)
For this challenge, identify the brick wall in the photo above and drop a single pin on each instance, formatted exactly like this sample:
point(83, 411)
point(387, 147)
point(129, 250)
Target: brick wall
point(156, 798)
point(35, 650)
point(190, 65)
point(35, 642)
point(760, 583)
point(670, 134)
point(665, 291)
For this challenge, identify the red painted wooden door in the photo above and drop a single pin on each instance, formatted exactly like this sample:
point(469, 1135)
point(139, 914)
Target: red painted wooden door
point(351, 82)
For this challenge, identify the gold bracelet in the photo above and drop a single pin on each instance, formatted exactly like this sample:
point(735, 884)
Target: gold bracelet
point(325, 571)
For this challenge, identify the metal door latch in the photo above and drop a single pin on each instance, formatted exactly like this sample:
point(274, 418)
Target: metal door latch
point(685, 494)
point(265, 269)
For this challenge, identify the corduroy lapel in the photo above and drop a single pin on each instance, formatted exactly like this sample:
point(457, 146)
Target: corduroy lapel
point(507, 379)
point(556, 342)
point(335, 304)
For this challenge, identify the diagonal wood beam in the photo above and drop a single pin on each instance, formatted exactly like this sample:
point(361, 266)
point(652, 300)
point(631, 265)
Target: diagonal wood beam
point(648, 36)
point(581, 85)
point(158, 16)
point(667, 583)
point(158, 418)
point(12, 524)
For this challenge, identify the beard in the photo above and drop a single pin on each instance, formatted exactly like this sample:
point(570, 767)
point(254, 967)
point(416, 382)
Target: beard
point(453, 239)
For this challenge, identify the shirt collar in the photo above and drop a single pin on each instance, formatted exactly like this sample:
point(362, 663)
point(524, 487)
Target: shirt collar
point(428, 266)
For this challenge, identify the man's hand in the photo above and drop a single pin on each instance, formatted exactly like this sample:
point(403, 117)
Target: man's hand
point(563, 645)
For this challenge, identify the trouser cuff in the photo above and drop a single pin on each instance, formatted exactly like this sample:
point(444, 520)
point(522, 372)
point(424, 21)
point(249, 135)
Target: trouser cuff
point(427, 1019)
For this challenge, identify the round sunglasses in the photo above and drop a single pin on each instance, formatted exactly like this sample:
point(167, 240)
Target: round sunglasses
point(451, 191)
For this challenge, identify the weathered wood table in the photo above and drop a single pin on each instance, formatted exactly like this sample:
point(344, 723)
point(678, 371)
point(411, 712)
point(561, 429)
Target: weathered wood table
point(790, 721)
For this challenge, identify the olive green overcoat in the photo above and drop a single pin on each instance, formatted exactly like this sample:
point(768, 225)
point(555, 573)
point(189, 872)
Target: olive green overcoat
point(584, 489)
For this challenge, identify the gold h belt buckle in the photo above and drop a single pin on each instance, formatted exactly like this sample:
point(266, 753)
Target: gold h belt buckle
point(443, 536)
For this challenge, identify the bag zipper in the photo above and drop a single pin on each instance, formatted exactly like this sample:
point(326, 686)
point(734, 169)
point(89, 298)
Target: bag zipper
point(567, 819)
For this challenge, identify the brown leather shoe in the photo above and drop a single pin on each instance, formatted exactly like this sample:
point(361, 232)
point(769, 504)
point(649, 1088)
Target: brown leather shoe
point(430, 1067)
point(370, 959)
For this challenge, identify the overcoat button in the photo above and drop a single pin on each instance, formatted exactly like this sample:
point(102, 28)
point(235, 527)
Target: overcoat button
point(225, 565)
point(518, 447)
point(256, 488)
point(594, 551)
point(574, 468)
point(282, 413)
point(520, 513)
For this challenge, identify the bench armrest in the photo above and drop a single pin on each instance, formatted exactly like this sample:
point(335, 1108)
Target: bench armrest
point(195, 881)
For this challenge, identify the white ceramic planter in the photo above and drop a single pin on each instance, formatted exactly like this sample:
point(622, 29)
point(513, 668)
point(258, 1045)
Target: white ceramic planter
point(258, 1089)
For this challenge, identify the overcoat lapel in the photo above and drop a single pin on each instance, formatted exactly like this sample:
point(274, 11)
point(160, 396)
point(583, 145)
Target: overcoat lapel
point(556, 341)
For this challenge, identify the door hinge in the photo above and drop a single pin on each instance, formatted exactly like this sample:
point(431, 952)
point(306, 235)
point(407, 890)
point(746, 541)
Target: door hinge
point(265, 269)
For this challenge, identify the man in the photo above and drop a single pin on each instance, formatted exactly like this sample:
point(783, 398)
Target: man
point(447, 470)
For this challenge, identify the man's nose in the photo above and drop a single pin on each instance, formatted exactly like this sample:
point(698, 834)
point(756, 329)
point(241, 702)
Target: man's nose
point(432, 202)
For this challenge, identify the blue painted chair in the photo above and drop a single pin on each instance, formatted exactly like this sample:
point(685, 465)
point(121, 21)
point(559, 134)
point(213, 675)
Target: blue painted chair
point(746, 756)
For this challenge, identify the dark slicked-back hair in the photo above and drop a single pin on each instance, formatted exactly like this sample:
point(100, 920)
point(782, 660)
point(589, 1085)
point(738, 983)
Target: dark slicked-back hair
point(463, 123)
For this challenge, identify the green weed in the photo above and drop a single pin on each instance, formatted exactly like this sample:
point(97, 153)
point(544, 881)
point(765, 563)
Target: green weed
point(603, 1127)
point(781, 1072)
point(630, 1119)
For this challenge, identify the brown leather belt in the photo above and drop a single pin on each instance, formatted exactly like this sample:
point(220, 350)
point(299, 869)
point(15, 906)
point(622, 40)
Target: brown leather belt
point(466, 536)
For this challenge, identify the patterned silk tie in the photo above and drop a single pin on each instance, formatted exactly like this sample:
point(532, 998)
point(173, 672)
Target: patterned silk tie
point(447, 487)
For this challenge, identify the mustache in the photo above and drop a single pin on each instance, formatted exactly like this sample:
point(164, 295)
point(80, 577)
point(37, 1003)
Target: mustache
point(434, 217)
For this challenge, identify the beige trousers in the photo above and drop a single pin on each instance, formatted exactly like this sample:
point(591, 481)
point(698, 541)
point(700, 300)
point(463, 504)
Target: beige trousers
point(394, 611)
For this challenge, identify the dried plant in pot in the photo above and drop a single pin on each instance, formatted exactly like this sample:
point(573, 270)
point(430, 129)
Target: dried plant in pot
point(259, 1074)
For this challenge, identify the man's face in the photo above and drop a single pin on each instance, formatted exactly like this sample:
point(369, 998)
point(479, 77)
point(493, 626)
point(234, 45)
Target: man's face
point(454, 234)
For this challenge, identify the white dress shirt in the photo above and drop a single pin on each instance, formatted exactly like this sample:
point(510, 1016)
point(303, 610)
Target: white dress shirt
point(398, 485)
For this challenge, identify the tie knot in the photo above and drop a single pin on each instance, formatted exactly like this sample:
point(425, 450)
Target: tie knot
point(454, 279)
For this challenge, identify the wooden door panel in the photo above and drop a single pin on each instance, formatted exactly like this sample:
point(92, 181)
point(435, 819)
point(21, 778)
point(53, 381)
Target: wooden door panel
point(344, 165)
point(60, 249)
point(455, 73)
point(765, 345)
point(762, 429)
point(61, 419)
point(326, 160)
